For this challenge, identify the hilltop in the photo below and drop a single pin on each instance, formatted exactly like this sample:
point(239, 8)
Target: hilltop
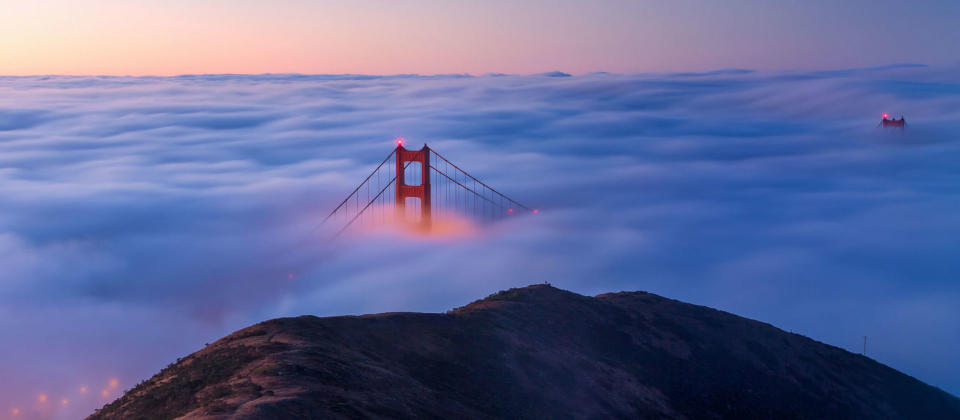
point(532, 352)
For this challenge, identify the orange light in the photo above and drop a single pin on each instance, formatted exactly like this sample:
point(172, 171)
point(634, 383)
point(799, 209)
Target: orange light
point(105, 393)
point(400, 141)
point(83, 389)
point(15, 411)
point(64, 401)
point(113, 383)
point(42, 398)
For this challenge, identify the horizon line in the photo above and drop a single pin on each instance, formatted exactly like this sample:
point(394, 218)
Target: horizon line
point(552, 73)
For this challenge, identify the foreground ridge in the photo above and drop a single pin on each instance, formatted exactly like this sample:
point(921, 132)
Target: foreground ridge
point(532, 352)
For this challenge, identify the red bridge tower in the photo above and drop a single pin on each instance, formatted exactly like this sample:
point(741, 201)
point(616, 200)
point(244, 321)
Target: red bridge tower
point(422, 191)
point(457, 193)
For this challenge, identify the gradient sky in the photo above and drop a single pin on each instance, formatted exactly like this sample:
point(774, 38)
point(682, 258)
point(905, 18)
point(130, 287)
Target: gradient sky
point(165, 37)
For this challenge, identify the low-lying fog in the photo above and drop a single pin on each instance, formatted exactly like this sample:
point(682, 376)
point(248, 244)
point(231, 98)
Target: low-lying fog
point(144, 217)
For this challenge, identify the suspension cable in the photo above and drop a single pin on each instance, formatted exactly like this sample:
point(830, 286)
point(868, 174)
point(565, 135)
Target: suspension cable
point(361, 185)
point(365, 207)
point(463, 186)
point(479, 181)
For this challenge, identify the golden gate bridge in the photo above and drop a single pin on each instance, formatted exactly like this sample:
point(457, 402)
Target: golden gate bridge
point(418, 189)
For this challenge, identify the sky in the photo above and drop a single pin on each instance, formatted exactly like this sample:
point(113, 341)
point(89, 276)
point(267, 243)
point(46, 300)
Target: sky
point(170, 37)
point(142, 217)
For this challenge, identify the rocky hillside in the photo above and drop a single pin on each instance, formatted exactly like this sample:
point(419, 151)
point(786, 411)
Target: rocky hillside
point(535, 352)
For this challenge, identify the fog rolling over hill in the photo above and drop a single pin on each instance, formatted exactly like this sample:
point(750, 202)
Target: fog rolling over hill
point(533, 352)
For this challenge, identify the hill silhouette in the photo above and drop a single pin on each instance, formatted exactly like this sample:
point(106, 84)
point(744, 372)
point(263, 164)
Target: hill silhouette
point(532, 352)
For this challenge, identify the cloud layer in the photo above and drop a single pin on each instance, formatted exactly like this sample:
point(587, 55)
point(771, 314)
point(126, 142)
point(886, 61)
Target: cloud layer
point(143, 217)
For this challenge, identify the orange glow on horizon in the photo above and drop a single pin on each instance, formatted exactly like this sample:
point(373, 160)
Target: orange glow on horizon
point(170, 37)
point(117, 37)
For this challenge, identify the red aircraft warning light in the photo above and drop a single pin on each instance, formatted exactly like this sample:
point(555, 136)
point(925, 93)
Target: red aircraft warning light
point(400, 141)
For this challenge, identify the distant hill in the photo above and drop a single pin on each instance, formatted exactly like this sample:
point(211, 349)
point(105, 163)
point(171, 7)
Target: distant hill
point(535, 352)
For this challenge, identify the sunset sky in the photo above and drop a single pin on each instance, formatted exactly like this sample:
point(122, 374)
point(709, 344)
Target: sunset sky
point(154, 37)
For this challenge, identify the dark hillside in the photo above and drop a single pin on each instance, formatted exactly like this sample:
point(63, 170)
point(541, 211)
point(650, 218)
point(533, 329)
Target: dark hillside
point(534, 352)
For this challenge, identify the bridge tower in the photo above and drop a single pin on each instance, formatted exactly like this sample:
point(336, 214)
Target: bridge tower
point(456, 193)
point(422, 191)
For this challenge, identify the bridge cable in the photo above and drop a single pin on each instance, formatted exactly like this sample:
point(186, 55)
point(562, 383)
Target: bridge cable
point(462, 186)
point(479, 181)
point(365, 207)
point(360, 186)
